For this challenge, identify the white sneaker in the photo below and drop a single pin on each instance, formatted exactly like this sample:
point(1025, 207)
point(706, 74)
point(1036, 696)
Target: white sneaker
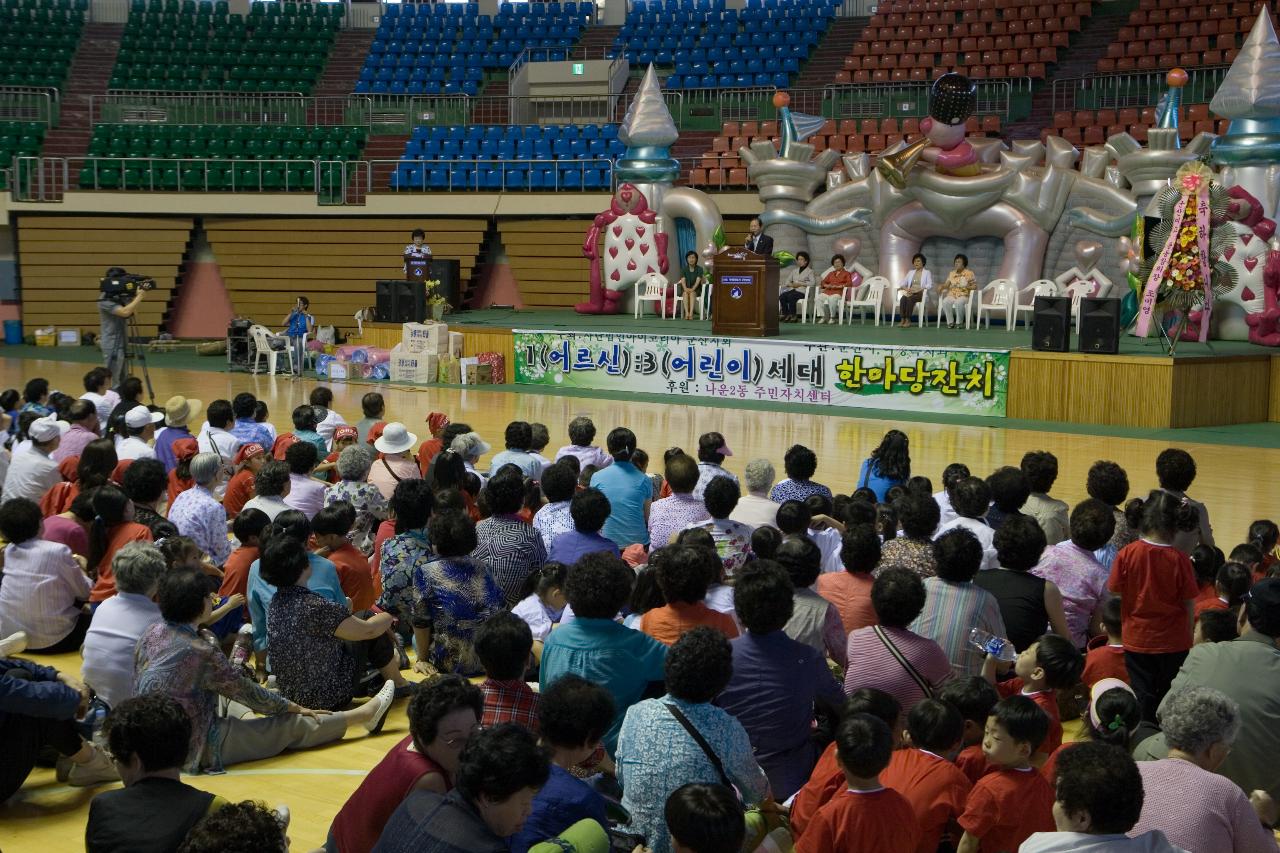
point(383, 699)
point(95, 771)
point(14, 644)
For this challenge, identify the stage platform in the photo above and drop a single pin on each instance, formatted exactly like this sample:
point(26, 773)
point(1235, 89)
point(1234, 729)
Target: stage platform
point(1204, 385)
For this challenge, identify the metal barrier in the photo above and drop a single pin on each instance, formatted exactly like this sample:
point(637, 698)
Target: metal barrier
point(47, 179)
point(870, 100)
point(857, 8)
point(1138, 89)
point(29, 103)
point(503, 175)
point(285, 108)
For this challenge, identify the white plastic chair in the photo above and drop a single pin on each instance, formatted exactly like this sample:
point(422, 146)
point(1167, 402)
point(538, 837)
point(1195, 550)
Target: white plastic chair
point(1039, 287)
point(920, 312)
point(655, 287)
point(1079, 291)
point(971, 303)
point(808, 302)
point(262, 339)
point(1004, 292)
point(872, 297)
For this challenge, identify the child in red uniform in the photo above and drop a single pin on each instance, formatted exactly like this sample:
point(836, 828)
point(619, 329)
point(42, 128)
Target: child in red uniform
point(441, 718)
point(923, 773)
point(704, 817)
point(867, 816)
point(1156, 586)
point(827, 778)
point(247, 528)
point(1013, 800)
point(1049, 664)
point(1105, 658)
point(329, 529)
point(1113, 717)
point(344, 436)
point(248, 460)
point(973, 697)
point(1265, 535)
point(1230, 587)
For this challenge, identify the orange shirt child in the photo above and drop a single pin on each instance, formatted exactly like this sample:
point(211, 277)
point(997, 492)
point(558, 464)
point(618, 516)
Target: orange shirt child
point(826, 780)
point(117, 538)
point(1155, 582)
point(1048, 702)
point(855, 821)
point(671, 622)
point(973, 763)
point(1006, 806)
point(354, 575)
point(1104, 660)
point(935, 788)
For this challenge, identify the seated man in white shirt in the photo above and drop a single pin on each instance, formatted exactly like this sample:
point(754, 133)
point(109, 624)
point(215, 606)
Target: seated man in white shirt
point(952, 474)
point(271, 486)
point(215, 436)
point(970, 499)
point(121, 620)
point(327, 420)
point(140, 424)
point(754, 509)
point(306, 493)
point(33, 472)
point(518, 439)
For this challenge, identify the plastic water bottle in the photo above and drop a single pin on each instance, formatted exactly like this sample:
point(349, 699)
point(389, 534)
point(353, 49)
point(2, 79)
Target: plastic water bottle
point(998, 647)
point(242, 649)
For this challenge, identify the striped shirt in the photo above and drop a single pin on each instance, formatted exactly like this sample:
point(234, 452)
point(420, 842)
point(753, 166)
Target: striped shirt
point(511, 550)
point(1198, 810)
point(951, 611)
point(42, 583)
point(871, 664)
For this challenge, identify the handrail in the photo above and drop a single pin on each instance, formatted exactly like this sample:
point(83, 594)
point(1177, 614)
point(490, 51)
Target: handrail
point(1113, 90)
point(29, 103)
point(292, 108)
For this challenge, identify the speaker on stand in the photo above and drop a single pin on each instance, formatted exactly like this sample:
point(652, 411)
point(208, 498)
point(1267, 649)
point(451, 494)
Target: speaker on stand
point(399, 301)
point(1051, 324)
point(1100, 325)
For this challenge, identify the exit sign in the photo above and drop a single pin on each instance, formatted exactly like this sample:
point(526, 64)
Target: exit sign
point(579, 68)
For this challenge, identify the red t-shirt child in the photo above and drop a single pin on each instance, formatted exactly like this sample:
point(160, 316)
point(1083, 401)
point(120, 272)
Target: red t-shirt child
point(239, 492)
point(1154, 583)
point(386, 530)
point(857, 821)
point(1215, 603)
point(354, 575)
point(1006, 806)
point(235, 573)
point(973, 763)
point(935, 788)
point(826, 780)
point(1104, 660)
point(1048, 702)
point(360, 822)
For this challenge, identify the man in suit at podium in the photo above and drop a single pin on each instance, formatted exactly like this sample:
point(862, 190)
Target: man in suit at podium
point(757, 240)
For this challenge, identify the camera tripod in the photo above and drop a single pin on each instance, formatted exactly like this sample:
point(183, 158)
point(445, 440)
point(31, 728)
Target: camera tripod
point(132, 337)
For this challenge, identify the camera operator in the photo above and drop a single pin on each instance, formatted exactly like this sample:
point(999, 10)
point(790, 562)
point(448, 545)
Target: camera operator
point(115, 307)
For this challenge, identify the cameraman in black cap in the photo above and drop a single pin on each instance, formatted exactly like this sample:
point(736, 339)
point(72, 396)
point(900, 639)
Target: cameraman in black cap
point(118, 300)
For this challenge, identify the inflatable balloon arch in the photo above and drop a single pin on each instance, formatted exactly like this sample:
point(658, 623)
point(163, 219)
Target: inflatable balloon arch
point(1184, 234)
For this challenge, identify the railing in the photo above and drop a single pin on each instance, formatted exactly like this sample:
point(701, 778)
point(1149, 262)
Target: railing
point(592, 175)
point(285, 108)
point(873, 100)
point(47, 179)
point(1133, 89)
point(400, 114)
point(108, 11)
point(857, 8)
point(29, 103)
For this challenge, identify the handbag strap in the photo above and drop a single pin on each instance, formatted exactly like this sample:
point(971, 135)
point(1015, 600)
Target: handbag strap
point(919, 679)
point(702, 742)
point(387, 465)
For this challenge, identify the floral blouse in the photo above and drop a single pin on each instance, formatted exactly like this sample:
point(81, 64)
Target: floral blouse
point(314, 667)
point(371, 509)
point(174, 660)
point(916, 555)
point(456, 595)
point(405, 557)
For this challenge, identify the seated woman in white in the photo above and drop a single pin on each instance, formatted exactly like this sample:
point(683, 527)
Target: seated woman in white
point(913, 288)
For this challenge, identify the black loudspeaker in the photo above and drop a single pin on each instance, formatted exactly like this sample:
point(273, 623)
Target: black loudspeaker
point(1100, 325)
point(1051, 324)
point(445, 271)
point(398, 301)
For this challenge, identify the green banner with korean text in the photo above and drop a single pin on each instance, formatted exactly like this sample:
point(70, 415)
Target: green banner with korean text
point(908, 379)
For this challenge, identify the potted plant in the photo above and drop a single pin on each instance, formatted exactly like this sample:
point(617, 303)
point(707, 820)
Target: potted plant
point(436, 304)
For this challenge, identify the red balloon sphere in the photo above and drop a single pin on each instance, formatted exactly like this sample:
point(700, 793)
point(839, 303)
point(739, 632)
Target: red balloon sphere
point(1177, 78)
point(781, 99)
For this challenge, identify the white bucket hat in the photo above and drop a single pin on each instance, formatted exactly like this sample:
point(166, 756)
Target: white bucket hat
point(140, 416)
point(395, 439)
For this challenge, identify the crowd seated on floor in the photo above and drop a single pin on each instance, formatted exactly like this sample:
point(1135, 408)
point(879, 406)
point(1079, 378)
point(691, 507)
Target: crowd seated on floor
point(597, 650)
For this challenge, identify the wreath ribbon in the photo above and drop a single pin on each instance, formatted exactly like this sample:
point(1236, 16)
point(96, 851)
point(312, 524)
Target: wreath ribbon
point(1152, 290)
point(1202, 223)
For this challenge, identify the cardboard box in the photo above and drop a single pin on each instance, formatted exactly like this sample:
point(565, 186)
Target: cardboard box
point(68, 337)
point(46, 337)
point(455, 344)
point(420, 368)
point(475, 373)
point(338, 370)
point(425, 337)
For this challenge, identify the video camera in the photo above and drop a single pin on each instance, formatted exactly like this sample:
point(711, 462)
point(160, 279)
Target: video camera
point(122, 286)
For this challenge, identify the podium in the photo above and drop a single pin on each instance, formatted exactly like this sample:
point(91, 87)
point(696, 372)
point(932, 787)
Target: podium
point(744, 295)
point(416, 269)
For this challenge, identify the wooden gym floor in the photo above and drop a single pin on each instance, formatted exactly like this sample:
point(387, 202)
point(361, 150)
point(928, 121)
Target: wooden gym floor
point(1237, 483)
